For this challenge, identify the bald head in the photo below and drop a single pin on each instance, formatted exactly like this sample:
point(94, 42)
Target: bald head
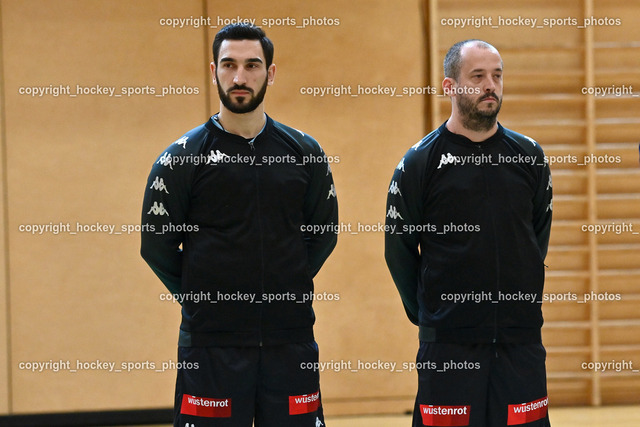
point(454, 57)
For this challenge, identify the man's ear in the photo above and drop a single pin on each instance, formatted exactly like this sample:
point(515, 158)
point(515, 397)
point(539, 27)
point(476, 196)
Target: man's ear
point(212, 66)
point(448, 86)
point(271, 74)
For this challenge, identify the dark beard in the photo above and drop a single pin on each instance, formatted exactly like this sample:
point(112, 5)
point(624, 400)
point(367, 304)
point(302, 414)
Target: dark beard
point(242, 105)
point(473, 118)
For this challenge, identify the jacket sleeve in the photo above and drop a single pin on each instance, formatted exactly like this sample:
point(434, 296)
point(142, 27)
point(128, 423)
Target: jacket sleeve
point(542, 208)
point(164, 212)
point(404, 210)
point(320, 211)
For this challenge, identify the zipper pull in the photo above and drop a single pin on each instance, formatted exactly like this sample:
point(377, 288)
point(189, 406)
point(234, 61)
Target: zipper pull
point(253, 148)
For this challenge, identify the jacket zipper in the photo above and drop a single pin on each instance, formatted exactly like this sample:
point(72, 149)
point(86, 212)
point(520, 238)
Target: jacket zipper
point(259, 216)
point(497, 258)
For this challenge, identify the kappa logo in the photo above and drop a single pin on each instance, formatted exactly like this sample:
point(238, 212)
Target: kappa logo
point(393, 213)
point(165, 160)
point(217, 157)
point(332, 191)
point(550, 207)
point(158, 184)
point(319, 423)
point(448, 159)
point(401, 165)
point(182, 141)
point(158, 209)
point(394, 189)
point(549, 184)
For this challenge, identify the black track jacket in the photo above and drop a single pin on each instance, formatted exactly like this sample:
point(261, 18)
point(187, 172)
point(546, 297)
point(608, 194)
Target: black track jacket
point(227, 220)
point(467, 232)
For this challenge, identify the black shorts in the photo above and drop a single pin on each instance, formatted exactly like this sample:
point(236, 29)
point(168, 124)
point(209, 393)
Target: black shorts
point(481, 385)
point(271, 386)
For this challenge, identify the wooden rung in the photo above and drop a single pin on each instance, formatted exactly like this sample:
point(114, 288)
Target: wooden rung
point(616, 45)
point(619, 272)
point(562, 98)
point(621, 323)
point(568, 248)
point(568, 375)
point(567, 349)
point(620, 348)
point(567, 325)
point(565, 274)
point(617, 121)
point(623, 373)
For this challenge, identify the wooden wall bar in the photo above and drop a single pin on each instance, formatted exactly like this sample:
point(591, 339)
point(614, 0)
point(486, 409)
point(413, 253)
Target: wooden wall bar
point(592, 139)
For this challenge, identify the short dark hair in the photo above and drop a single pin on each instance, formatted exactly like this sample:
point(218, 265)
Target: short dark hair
point(453, 60)
point(243, 31)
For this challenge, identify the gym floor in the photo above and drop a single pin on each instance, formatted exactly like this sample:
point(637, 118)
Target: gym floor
point(607, 416)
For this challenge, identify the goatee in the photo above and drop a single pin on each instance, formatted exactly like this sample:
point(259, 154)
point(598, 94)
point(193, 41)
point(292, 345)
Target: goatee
point(241, 106)
point(475, 119)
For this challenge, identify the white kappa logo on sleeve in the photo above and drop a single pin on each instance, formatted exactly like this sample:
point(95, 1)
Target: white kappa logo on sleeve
point(158, 209)
point(182, 141)
point(158, 184)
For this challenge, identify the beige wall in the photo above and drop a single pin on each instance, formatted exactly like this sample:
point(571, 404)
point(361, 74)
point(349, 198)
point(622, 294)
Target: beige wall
point(89, 297)
point(4, 342)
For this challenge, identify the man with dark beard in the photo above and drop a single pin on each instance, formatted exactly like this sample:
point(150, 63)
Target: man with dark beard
point(469, 217)
point(230, 217)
